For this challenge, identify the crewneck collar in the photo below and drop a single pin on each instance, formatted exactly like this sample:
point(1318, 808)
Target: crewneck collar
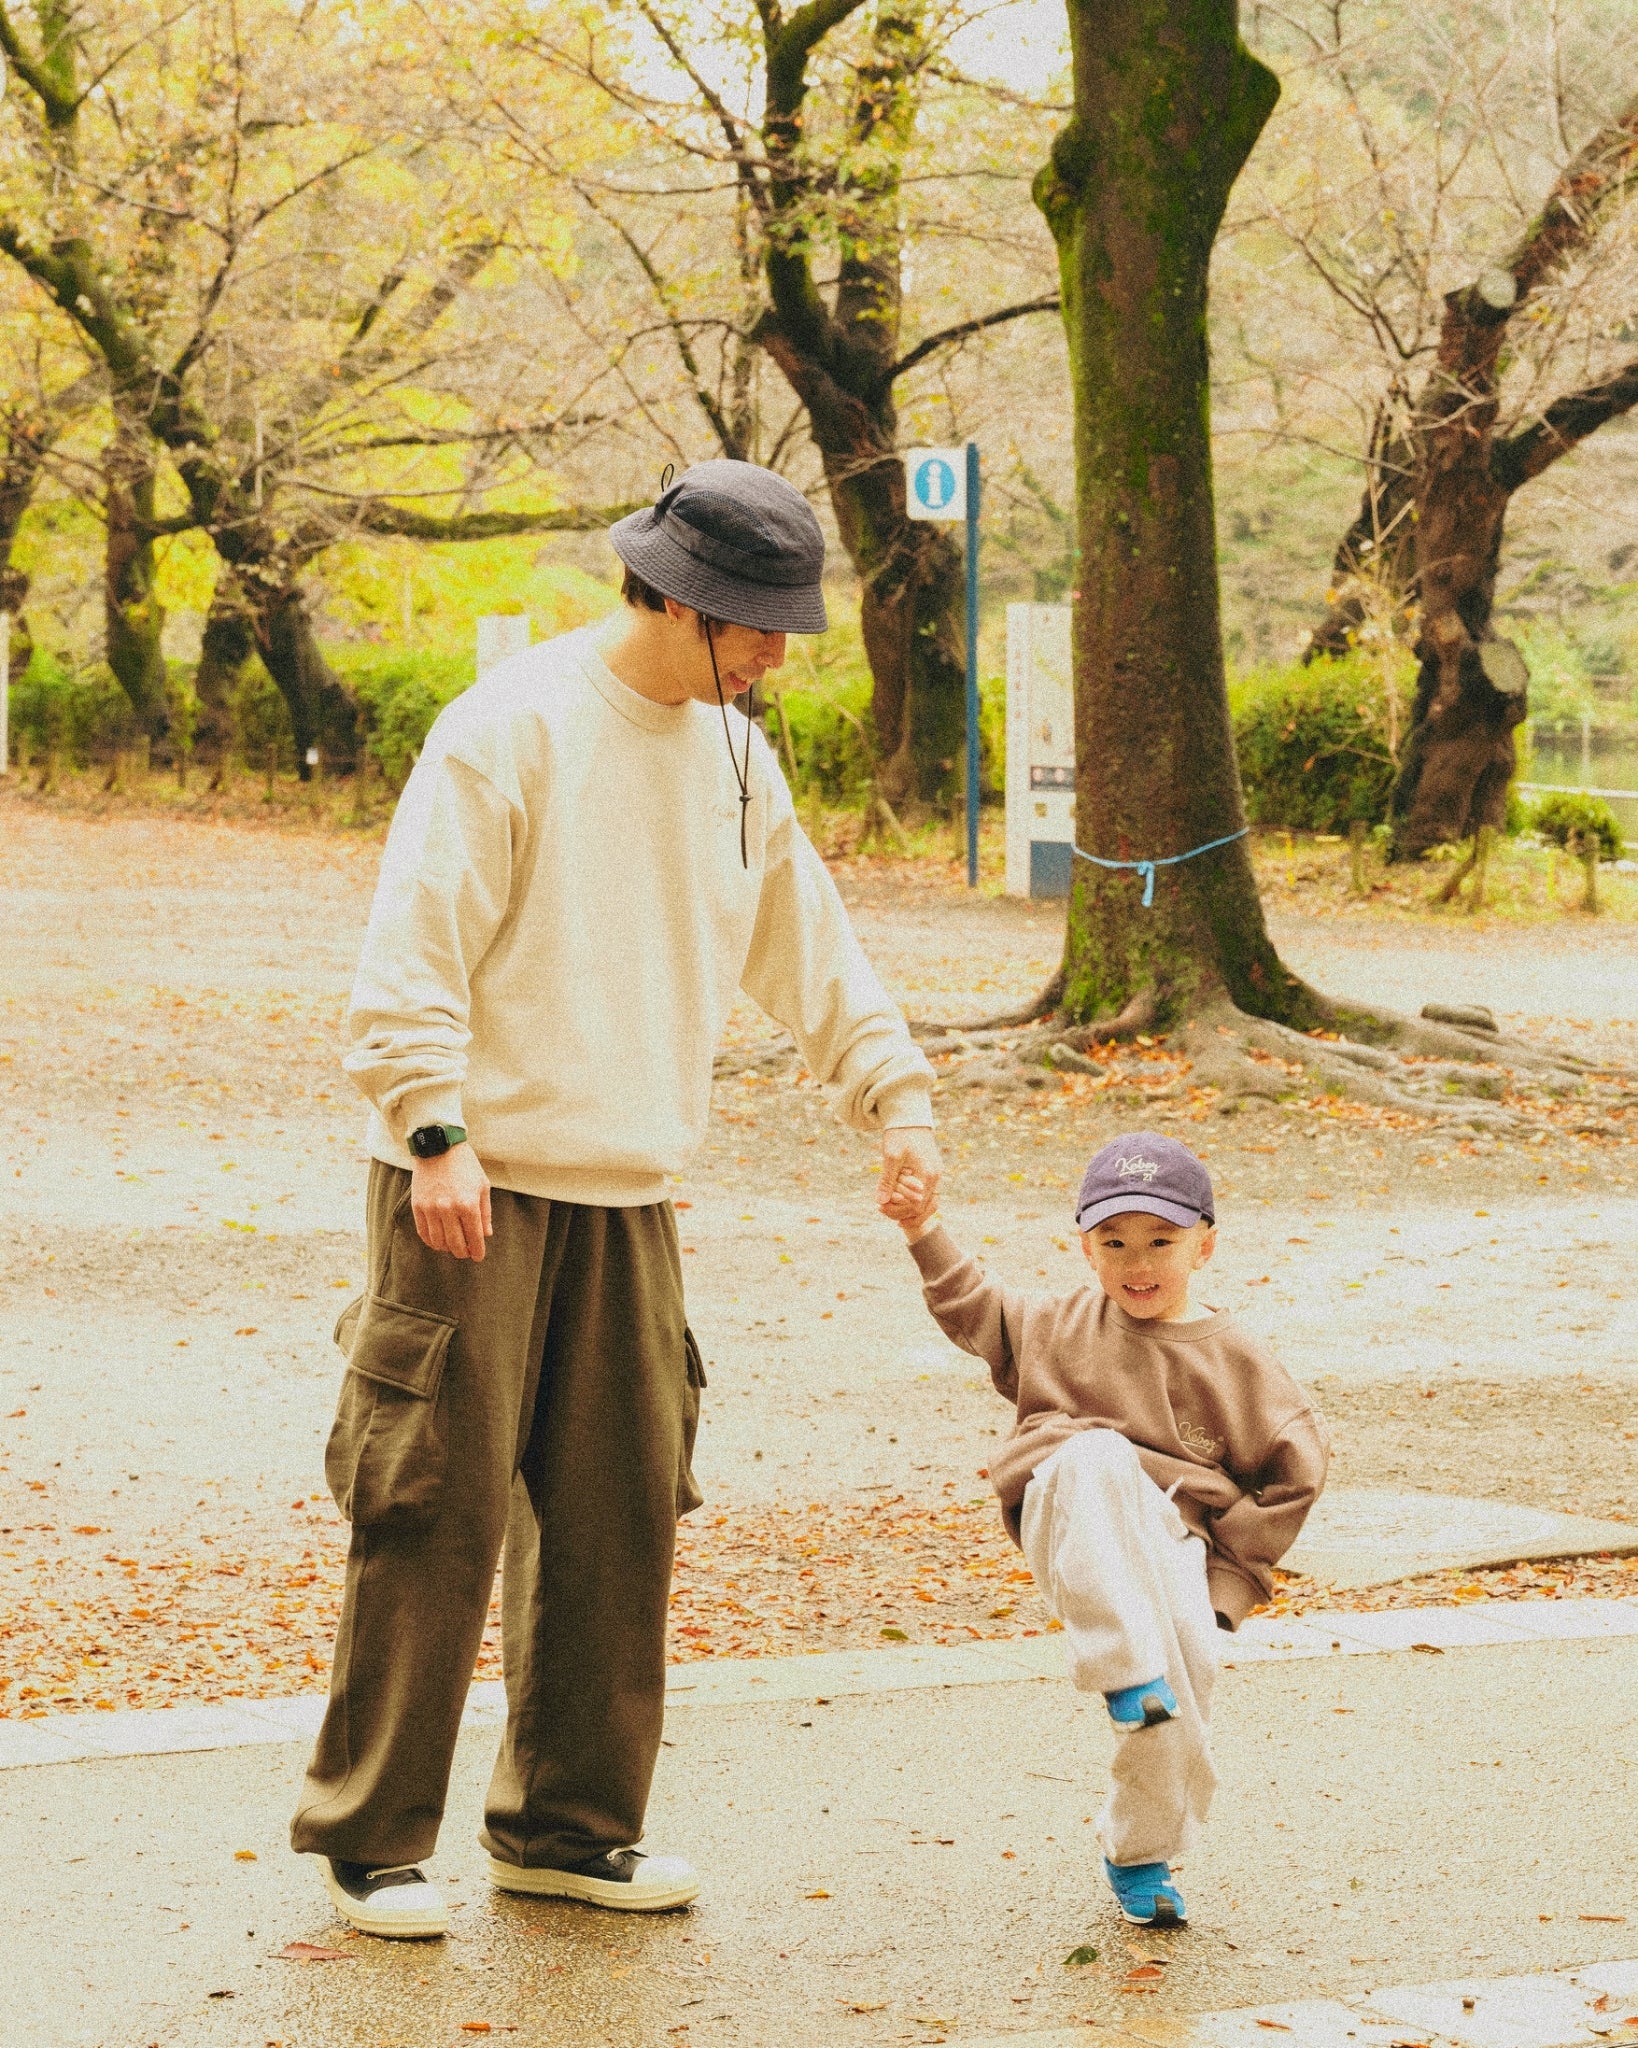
point(1212, 1324)
point(630, 704)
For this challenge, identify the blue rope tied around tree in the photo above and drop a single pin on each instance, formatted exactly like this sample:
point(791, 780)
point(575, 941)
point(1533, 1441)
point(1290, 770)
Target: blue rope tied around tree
point(1146, 868)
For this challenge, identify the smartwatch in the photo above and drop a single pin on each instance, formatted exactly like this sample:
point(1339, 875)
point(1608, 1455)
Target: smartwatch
point(432, 1141)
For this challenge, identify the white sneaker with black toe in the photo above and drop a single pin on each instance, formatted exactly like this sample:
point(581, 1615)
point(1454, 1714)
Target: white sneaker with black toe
point(625, 1879)
point(397, 1900)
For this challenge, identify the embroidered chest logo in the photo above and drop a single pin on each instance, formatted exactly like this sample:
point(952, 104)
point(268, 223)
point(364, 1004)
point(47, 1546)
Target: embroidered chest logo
point(1135, 1167)
point(1203, 1445)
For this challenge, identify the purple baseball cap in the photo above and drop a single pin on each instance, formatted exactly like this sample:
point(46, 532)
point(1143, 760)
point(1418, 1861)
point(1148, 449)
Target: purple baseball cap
point(1148, 1175)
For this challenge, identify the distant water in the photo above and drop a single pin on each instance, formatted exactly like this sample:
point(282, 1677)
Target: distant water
point(1605, 767)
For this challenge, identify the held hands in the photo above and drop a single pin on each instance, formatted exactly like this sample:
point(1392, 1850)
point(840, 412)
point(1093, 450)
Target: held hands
point(908, 1192)
point(449, 1196)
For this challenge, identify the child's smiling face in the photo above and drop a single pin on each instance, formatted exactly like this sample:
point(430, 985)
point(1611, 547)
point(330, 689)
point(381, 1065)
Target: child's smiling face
point(1145, 1263)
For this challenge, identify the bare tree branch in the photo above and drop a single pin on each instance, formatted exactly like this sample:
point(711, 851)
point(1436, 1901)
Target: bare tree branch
point(963, 330)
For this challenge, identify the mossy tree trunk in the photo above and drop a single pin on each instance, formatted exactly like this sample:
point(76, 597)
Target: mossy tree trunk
point(841, 361)
point(24, 437)
point(842, 357)
point(133, 617)
point(1167, 105)
point(228, 642)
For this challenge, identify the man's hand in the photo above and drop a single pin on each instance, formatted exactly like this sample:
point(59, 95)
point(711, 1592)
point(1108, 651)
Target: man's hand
point(450, 1199)
point(908, 1190)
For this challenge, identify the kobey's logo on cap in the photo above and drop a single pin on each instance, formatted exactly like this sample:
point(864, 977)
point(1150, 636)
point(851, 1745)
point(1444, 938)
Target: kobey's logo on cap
point(1136, 1167)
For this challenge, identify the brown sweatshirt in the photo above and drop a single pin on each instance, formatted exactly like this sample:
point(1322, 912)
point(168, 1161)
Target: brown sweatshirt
point(1216, 1420)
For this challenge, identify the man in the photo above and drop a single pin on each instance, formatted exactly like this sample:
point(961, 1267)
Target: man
point(592, 856)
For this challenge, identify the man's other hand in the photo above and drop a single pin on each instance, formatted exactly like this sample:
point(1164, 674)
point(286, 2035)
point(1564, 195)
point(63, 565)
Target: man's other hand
point(450, 1198)
point(909, 1155)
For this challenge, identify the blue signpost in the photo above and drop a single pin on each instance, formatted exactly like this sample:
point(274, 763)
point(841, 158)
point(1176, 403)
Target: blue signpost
point(943, 484)
point(972, 664)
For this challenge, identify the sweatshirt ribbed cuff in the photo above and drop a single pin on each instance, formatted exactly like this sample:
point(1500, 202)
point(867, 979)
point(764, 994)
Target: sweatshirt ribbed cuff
point(1232, 1594)
point(439, 1103)
point(904, 1105)
point(936, 1253)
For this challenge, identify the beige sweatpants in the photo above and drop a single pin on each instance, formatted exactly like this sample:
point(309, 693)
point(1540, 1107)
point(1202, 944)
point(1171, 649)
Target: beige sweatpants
point(1121, 1571)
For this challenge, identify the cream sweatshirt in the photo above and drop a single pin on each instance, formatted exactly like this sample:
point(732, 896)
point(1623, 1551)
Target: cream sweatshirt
point(562, 923)
point(1216, 1420)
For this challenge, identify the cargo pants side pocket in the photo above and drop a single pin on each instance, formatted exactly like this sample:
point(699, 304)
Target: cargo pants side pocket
point(689, 1496)
point(389, 1446)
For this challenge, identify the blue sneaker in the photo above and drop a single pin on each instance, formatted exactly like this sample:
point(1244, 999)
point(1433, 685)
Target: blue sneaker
point(1146, 1895)
point(1142, 1706)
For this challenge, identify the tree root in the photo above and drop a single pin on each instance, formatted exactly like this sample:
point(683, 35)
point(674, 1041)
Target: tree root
point(1427, 1067)
point(1039, 1006)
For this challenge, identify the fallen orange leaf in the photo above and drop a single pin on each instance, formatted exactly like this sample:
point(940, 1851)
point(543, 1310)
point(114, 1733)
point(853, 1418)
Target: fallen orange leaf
point(314, 1952)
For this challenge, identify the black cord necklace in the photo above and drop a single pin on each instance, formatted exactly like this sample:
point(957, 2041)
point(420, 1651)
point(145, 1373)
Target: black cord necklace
point(741, 775)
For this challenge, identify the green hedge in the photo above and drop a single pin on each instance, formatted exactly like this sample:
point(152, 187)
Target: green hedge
point(1313, 741)
point(399, 695)
point(1563, 815)
point(83, 714)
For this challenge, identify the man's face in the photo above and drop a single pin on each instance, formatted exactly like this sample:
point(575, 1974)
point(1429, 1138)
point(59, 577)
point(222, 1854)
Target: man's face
point(1144, 1262)
point(745, 654)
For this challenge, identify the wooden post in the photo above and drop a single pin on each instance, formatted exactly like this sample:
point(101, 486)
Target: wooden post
point(115, 785)
point(53, 771)
point(1482, 846)
point(272, 767)
point(1356, 858)
point(182, 766)
point(1588, 850)
point(1290, 862)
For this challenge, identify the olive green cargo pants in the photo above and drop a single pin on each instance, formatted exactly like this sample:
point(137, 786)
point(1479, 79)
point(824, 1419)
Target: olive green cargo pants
point(547, 1396)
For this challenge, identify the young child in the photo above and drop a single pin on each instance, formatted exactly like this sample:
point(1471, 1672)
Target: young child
point(1161, 1463)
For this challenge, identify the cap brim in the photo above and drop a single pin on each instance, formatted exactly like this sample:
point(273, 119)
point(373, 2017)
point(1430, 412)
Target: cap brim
point(1135, 1204)
point(674, 572)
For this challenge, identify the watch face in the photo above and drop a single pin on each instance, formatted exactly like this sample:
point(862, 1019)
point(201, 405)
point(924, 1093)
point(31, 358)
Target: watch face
point(429, 1141)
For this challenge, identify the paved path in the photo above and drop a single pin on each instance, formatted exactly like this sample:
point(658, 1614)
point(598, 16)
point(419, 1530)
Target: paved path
point(838, 1674)
point(884, 1866)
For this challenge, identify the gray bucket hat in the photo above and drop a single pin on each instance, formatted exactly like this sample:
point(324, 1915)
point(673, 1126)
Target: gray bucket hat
point(734, 541)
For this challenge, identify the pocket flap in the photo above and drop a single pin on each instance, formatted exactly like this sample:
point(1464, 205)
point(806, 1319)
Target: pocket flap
point(404, 1347)
point(347, 1324)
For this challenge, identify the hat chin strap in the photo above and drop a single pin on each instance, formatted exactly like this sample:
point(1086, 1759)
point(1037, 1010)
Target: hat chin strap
point(742, 775)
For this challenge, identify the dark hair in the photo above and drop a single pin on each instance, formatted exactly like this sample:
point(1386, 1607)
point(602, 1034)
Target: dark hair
point(634, 591)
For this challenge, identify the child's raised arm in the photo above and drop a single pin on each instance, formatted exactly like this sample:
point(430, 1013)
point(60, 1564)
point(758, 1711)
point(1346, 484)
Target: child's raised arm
point(972, 1310)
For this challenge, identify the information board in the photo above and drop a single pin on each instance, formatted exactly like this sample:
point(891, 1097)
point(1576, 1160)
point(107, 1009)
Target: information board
point(935, 483)
point(1040, 750)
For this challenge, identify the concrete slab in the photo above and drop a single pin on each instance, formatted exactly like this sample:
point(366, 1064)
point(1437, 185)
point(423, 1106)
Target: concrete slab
point(1559, 1619)
point(62, 1740)
point(1360, 1536)
point(1492, 2012)
point(836, 1674)
point(1267, 1636)
point(874, 1870)
point(1439, 1628)
point(1305, 2023)
point(162, 1731)
point(1612, 1980)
